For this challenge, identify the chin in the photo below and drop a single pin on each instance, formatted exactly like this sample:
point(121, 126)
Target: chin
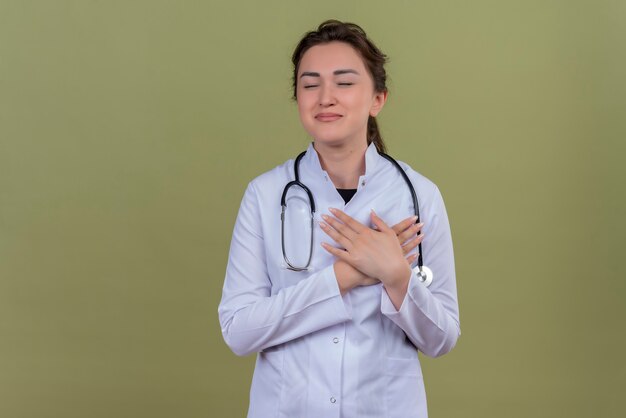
point(329, 141)
point(328, 136)
point(334, 140)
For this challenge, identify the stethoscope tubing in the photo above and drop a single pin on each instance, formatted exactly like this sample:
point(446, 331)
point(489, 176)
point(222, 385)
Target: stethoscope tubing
point(424, 273)
point(420, 262)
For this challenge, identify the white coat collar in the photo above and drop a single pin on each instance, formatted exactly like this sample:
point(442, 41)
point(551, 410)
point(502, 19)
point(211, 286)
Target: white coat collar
point(312, 161)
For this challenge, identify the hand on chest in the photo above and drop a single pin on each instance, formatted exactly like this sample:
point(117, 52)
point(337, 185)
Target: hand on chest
point(302, 236)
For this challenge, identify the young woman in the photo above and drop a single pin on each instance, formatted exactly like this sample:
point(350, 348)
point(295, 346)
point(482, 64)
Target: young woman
point(319, 280)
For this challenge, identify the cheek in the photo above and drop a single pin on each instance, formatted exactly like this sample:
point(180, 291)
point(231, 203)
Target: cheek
point(305, 114)
point(302, 111)
point(304, 101)
point(360, 107)
point(358, 99)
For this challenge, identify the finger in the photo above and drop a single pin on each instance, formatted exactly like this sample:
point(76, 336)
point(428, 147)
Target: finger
point(355, 225)
point(379, 223)
point(340, 227)
point(411, 259)
point(336, 236)
point(403, 225)
point(340, 254)
point(412, 244)
point(409, 233)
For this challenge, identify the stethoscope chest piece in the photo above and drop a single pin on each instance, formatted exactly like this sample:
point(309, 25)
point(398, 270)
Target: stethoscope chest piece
point(424, 275)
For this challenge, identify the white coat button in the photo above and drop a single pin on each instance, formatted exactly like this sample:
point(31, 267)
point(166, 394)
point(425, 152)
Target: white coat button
point(332, 400)
point(335, 340)
point(363, 183)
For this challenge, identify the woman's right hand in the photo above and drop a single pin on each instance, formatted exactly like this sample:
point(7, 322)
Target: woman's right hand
point(349, 277)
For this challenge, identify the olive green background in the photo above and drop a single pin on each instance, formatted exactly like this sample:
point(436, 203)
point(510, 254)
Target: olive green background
point(129, 130)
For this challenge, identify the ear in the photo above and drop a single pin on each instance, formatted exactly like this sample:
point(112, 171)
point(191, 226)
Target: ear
point(378, 101)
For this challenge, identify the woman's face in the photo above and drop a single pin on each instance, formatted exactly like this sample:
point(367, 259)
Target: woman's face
point(335, 94)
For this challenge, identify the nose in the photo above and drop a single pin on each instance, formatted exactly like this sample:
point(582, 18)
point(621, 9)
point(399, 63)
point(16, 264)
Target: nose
point(327, 96)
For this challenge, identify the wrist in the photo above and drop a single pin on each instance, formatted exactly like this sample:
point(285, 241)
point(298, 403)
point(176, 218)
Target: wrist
point(398, 279)
point(397, 288)
point(343, 281)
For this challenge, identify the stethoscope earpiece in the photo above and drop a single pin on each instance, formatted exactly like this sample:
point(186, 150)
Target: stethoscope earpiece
point(424, 275)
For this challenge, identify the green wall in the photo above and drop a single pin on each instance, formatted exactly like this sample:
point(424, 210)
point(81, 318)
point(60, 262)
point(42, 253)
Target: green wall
point(129, 130)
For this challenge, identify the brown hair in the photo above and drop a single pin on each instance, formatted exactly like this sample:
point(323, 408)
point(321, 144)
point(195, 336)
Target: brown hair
point(355, 36)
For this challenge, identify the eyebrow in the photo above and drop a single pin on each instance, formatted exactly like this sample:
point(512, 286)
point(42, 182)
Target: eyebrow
point(336, 72)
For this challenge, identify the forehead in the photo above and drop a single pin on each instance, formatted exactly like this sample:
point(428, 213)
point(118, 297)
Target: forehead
point(331, 56)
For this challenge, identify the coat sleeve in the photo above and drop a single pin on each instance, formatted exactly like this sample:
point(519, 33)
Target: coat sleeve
point(429, 316)
point(251, 318)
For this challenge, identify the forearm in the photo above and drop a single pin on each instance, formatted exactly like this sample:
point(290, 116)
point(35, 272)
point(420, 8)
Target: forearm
point(310, 305)
point(397, 285)
point(349, 277)
point(428, 322)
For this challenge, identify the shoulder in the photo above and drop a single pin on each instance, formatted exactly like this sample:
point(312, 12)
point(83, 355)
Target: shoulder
point(263, 192)
point(424, 187)
point(430, 200)
point(268, 181)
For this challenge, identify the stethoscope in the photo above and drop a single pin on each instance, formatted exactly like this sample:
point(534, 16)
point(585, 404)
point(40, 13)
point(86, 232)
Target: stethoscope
point(424, 274)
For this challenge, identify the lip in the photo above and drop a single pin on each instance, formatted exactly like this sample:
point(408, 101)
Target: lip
point(328, 117)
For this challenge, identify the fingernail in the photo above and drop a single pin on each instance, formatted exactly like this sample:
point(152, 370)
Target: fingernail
point(322, 225)
point(333, 210)
point(374, 212)
point(325, 217)
point(413, 218)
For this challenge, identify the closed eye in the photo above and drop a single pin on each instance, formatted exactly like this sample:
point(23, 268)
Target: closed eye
point(345, 84)
point(310, 86)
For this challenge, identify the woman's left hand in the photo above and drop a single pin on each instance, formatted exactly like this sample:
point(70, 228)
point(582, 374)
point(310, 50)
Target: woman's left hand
point(375, 252)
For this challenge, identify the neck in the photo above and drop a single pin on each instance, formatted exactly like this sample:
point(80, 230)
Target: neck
point(344, 164)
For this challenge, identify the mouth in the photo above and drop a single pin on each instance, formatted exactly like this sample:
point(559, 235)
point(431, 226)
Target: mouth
point(328, 117)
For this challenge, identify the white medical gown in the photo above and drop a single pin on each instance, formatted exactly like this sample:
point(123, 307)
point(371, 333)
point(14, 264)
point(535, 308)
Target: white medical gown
point(321, 355)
